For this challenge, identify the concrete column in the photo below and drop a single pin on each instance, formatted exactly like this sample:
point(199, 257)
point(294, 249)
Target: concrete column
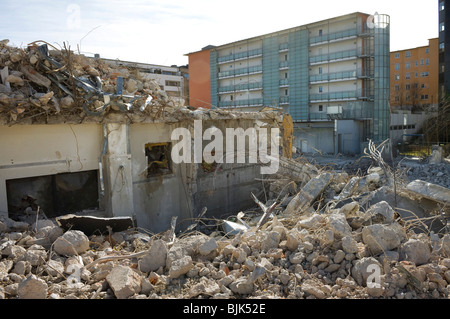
point(117, 170)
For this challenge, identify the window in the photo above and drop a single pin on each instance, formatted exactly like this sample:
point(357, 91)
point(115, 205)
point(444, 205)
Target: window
point(423, 86)
point(397, 66)
point(408, 76)
point(285, 57)
point(408, 87)
point(427, 50)
point(320, 89)
point(397, 55)
point(158, 159)
point(421, 62)
point(285, 75)
point(320, 32)
point(424, 97)
point(424, 74)
point(408, 65)
point(408, 54)
point(408, 97)
point(441, 46)
point(320, 108)
point(286, 92)
point(416, 74)
point(417, 63)
point(427, 62)
point(397, 98)
point(397, 77)
point(397, 87)
point(441, 27)
point(441, 6)
point(320, 70)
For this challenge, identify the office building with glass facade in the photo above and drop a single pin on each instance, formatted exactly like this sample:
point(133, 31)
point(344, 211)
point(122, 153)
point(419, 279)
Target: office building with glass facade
point(331, 76)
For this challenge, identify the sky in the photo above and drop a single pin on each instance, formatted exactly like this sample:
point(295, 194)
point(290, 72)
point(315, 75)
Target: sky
point(162, 32)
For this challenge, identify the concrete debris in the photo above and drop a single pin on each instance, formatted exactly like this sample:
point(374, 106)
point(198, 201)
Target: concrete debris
point(333, 235)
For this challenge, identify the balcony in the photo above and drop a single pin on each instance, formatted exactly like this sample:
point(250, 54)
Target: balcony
point(284, 82)
point(284, 47)
point(333, 37)
point(241, 87)
point(284, 65)
point(334, 57)
point(239, 56)
point(284, 100)
point(341, 96)
point(348, 113)
point(242, 103)
point(333, 77)
point(241, 71)
point(334, 96)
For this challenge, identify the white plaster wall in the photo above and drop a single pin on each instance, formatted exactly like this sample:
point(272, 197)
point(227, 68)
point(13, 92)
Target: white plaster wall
point(39, 150)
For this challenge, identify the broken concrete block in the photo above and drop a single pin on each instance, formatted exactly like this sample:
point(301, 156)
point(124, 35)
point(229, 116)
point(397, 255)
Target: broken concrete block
point(124, 281)
point(208, 247)
point(34, 76)
point(349, 188)
point(232, 228)
point(416, 251)
point(13, 79)
point(436, 155)
point(381, 213)
point(35, 257)
point(156, 257)
point(308, 193)
point(313, 222)
point(180, 267)
point(363, 268)
point(32, 288)
point(349, 245)
point(430, 191)
point(339, 225)
point(91, 224)
point(380, 237)
point(73, 242)
point(242, 286)
point(271, 240)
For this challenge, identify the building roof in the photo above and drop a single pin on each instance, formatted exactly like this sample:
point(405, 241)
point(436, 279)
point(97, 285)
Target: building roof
point(209, 47)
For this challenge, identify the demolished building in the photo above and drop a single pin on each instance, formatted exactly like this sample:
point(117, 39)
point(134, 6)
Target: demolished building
point(305, 231)
point(112, 158)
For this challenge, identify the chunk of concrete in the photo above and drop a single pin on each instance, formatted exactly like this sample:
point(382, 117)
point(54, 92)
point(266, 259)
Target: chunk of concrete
point(156, 257)
point(180, 267)
point(430, 191)
point(124, 281)
point(380, 238)
point(339, 225)
point(91, 224)
point(309, 193)
point(72, 242)
point(416, 251)
point(32, 288)
point(381, 213)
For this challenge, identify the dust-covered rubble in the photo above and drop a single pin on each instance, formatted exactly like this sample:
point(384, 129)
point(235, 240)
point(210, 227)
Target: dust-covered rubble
point(329, 245)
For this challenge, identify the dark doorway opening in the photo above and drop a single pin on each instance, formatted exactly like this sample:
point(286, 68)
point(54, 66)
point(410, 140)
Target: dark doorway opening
point(55, 195)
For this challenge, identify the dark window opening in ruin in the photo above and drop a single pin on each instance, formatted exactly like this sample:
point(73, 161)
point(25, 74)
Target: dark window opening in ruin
point(158, 159)
point(55, 195)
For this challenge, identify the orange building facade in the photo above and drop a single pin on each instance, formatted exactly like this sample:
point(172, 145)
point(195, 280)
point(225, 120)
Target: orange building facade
point(415, 77)
point(200, 79)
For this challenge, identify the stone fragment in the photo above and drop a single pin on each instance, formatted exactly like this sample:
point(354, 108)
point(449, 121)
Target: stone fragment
point(242, 286)
point(180, 267)
point(124, 281)
point(208, 247)
point(381, 212)
point(339, 225)
point(72, 242)
point(365, 267)
point(308, 193)
point(430, 191)
point(156, 257)
point(349, 245)
point(32, 288)
point(416, 251)
point(380, 237)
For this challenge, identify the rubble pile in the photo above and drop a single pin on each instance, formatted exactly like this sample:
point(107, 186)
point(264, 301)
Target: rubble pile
point(39, 84)
point(318, 234)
